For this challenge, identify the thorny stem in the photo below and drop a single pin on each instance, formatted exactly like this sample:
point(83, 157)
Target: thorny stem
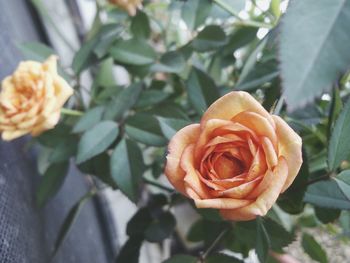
point(71, 112)
point(214, 244)
point(160, 186)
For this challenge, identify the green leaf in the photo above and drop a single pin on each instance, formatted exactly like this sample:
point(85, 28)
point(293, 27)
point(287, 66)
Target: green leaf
point(339, 144)
point(145, 128)
point(195, 12)
point(106, 36)
point(313, 49)
point(51, 182)
point(313, 249)
point(35, 51)
point(54, 137)
point(130, 252)
point(240, 37)
point(84, 57)
point(327, 215)
point(279, 237)
point(259, 75)
point(343, 181)
point(181, 259)
point(106, 95)
point(210, 214)
point(202, 90)
point(262, 244)
point(139, 222)
point(252, 60)
point(206, 231)
point(210, 38)
point(89, 119)
point(97, 46)
point(168, 110)
point(243, 238)
point(125, 99)
point(328, 194)
point(161, 228)
point(96, 140)
point(334, 110)
point(133, 52)
point(149, 98)
point(170, 62)
point(140, 26)
point(105, 76)
point(99, 166)
point(127, 168)
point(170, 126)
point(69, 221)
point(64, 150)
point(222, 258)
point(344, 221)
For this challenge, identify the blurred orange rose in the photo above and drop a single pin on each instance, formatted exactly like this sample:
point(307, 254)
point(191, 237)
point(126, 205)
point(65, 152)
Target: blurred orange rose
point(31, 99)
point(128, 5)
point(238, 159)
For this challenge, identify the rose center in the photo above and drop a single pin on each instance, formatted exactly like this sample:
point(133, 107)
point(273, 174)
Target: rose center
point(227, 167)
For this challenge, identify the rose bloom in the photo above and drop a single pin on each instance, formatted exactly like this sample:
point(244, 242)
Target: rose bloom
point(238, 159)
point(31, 99)
point(128, 5)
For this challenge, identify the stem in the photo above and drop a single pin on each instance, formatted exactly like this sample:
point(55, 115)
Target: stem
point(227, 8)
point(279, 106)
point(240, 21)
point(321, 178)
point(71, 112)
point(160, 186)
point(253, 24)
point(214, 244)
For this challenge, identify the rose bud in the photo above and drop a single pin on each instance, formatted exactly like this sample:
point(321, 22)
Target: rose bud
point(130, 6)
point(238, 159)
point(31, 99)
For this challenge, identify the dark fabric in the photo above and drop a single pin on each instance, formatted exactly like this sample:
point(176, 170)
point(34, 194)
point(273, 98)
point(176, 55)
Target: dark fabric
point(27, 234)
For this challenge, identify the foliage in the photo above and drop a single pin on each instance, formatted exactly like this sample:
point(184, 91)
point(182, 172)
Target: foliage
point(179, 57)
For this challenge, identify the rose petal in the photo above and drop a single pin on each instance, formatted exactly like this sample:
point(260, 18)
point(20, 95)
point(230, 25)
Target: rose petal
point(223, 184)
point(227, 138)
point(258, 165)
point(289, 146)
point(221, 203)
point(192, 177)
point(11, 135)
point(178, 143)
point(259, 124)
point(267, 180)
point(264, 201)
point(270, 153)
point(240, 191)
point(216, 127)
point(232, 104)
point(191, 193)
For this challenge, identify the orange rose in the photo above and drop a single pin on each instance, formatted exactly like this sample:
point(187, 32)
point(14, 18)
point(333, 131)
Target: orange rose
point(238, 159)
point(31, 99)
point(128, 5)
